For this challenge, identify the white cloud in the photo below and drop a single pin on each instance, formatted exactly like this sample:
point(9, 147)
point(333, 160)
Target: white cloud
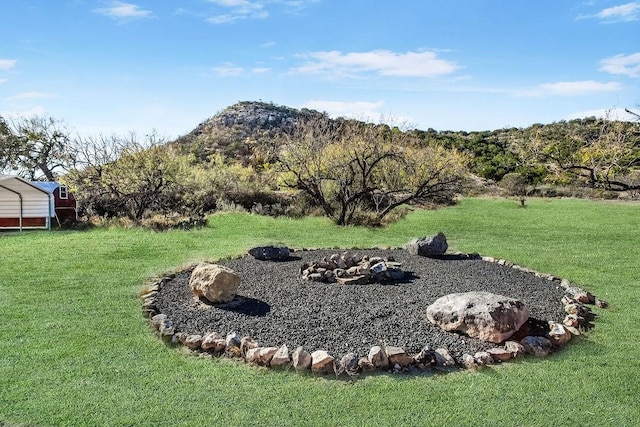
point(379, 62)
point(121, 10)
point(611, 113)
point(29, 95)
point(623, 13)
point(236, 10)
point(569, 88)
point(7, 64)
point(228, 70)
point(2, 81)
point(628, 65)
point(260, 70)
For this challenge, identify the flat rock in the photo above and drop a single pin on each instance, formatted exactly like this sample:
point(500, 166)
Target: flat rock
point(499, 354)
point(397, 356)
point(270, 253)
point(537, 346)
point(481, 315)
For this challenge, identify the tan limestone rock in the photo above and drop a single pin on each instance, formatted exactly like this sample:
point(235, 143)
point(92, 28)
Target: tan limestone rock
point(215, 283)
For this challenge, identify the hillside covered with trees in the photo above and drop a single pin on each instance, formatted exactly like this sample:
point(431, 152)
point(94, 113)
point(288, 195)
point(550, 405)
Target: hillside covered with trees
point(278, 160)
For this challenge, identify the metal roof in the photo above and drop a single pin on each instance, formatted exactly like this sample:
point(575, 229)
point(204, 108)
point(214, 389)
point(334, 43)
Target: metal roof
point(48, 186)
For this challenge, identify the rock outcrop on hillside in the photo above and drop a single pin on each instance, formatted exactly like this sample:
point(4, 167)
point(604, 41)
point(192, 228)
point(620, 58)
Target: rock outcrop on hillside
point(247, 131)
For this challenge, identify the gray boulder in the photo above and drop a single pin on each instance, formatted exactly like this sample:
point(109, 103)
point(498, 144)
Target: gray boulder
point(428, 246)
point(481, 315)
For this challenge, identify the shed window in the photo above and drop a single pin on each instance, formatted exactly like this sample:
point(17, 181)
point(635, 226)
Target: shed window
point(64, 192)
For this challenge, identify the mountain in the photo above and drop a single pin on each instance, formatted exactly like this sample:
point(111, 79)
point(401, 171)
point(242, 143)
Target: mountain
point(247, 131)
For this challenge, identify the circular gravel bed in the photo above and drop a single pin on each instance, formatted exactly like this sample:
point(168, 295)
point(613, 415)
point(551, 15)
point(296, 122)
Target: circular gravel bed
point(275, 306)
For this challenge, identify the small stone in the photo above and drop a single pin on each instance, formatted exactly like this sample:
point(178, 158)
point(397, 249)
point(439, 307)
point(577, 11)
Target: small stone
point(281, 359)
point(349, 365)
point(157, 320)
point(584, 298)
point(483, 358)
point(252, 355)
point(322, 362)
point(266, 354)
point(179, 338)
point(193, 341)
point(233, 340)
point(469, 362)
point(443, 358)
point(499, 354)
point(301, 359)
point(398, 356)
point(214, 342)
point(378, 357)
point(379, 268)
point(514, 348)
point(246, 343)
point(572, 320)
point(537, 346)
point(425, 358)
point(233, 345)
point(558, 334)
point(577, 309)
point(166, 328)
point(601, 303)
point(365, 365)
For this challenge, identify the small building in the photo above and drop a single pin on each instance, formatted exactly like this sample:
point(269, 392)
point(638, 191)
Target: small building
point(31, 204)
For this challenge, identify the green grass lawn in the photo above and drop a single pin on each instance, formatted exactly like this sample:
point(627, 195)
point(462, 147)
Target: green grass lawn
point(75, 349)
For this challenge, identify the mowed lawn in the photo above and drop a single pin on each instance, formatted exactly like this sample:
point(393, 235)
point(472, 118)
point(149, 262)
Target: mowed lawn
point(75, 349)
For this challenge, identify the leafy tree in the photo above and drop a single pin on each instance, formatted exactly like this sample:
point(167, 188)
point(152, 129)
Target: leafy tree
point(34, 147)
point(516, 185)
point(349, 168)
point(598, 153)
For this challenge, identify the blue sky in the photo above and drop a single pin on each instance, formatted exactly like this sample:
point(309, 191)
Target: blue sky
point(137, 65)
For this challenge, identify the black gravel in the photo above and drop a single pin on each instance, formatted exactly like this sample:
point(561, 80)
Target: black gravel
point(275, 306)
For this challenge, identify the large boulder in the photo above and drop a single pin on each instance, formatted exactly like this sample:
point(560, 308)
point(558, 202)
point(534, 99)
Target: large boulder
point(428, 246)
point(481, 315)
point(216, 283)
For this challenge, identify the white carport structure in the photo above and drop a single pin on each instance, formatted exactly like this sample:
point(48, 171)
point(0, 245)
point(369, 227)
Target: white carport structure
point(23, 205)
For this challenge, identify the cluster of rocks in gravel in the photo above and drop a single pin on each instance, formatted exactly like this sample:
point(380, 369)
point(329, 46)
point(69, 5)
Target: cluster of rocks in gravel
point(352, 269)
point(248, 327)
